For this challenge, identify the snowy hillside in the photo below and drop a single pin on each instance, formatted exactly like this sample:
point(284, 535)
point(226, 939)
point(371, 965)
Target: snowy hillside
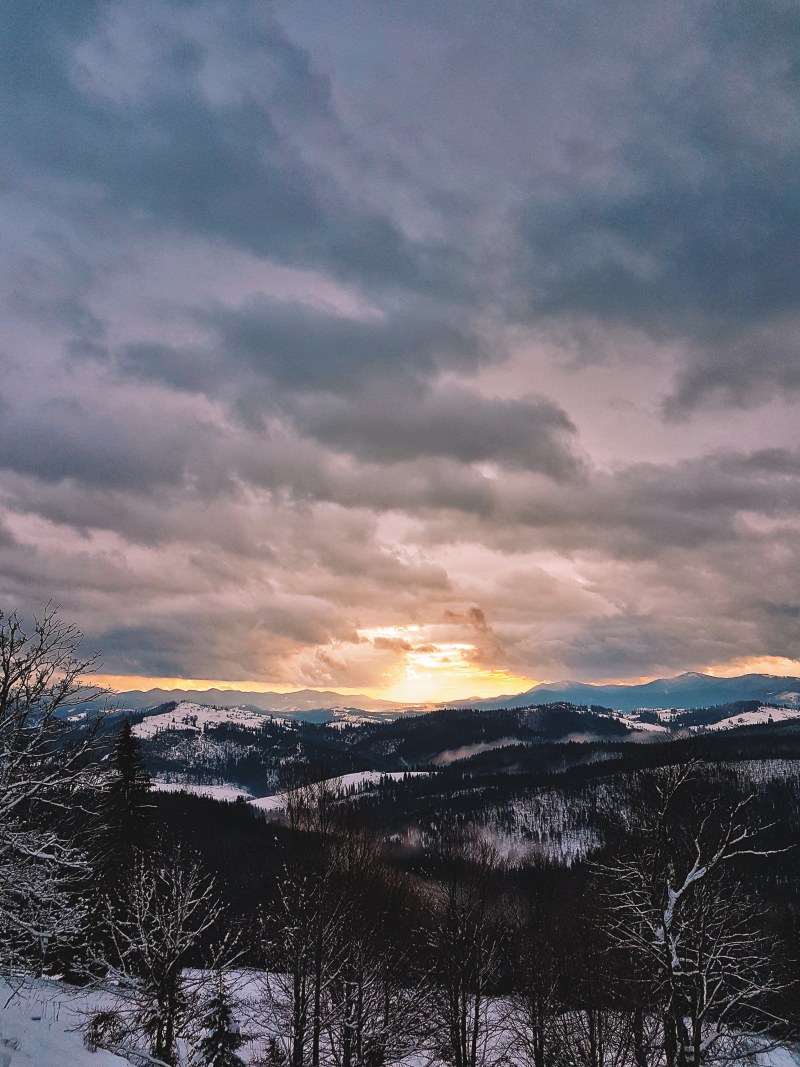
point(641, 723)
point(191, 716)
point(701, 720)
point(757, 718)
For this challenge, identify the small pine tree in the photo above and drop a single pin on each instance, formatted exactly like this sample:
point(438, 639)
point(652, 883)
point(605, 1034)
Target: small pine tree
point(222, 1039)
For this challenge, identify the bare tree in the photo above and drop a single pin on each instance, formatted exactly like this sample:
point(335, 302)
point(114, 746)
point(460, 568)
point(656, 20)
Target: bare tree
point(376, 1001)
point(301, 934)
point(677, 906)
point(466, 945)
point(165, 911)
point(536, 971)
point(338, 993)
point(43, 762)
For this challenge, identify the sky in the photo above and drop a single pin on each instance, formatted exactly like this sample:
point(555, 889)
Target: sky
point(423, 349)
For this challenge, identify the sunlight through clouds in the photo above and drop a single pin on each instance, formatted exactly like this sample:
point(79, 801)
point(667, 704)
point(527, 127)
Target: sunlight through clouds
point(436, 670)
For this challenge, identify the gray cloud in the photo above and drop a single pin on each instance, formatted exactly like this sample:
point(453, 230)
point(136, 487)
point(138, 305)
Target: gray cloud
point(69, 439)
point(308, 350)
point(692, 232)
point(322, 319)
point(532, 434)
point(186, 152)
point(740, 369)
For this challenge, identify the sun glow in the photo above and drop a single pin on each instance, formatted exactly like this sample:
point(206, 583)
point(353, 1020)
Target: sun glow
point(430, 670)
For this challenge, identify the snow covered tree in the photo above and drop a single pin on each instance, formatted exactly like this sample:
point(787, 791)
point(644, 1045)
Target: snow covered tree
point(677, 907)
point(157, 923)
point(222, 1038)
point(44, 761)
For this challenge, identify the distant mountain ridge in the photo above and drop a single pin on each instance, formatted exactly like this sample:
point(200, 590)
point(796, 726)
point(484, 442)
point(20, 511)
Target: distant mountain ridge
point(302, 700)
point(688, 690)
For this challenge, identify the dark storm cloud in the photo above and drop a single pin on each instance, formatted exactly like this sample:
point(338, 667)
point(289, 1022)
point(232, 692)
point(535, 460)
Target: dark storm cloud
point(383, 426)
point(645, 511)
point(169, 149)
point(305, 349)
point(697, 234)
point(740, 368)
point(69, 438)
point(694, 504)
point(673, 258)
point(190, 646)
point(358, 385)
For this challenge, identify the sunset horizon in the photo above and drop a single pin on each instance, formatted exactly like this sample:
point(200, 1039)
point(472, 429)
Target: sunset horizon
point(771, 667)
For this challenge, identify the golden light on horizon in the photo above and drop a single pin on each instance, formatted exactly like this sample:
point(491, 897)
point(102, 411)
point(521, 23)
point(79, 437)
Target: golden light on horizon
point(430, 670)
point(780, 666)
point(126, 682)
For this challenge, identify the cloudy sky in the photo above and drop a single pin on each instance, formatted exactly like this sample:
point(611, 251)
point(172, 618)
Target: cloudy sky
point(423, 348)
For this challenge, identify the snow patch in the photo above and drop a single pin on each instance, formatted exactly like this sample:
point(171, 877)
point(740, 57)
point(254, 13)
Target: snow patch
point(358, 782)
point(223, 791)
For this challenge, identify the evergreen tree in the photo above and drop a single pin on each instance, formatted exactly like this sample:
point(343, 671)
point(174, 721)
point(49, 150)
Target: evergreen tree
point(223, 1039)
point(125, 815)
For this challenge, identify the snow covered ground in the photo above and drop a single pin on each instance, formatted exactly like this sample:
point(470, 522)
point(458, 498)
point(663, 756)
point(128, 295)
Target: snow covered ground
point(345, 783)
point(224, 791)
point(42, 1027)
point(39, 1028)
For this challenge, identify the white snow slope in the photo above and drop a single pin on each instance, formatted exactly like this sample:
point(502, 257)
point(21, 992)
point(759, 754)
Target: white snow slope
point(188, 716)
point(223, 791)
point(357, 782)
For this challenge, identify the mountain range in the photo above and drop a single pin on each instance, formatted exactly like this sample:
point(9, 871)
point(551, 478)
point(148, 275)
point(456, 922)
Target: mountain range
point(301, 700)
point(687, 690)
